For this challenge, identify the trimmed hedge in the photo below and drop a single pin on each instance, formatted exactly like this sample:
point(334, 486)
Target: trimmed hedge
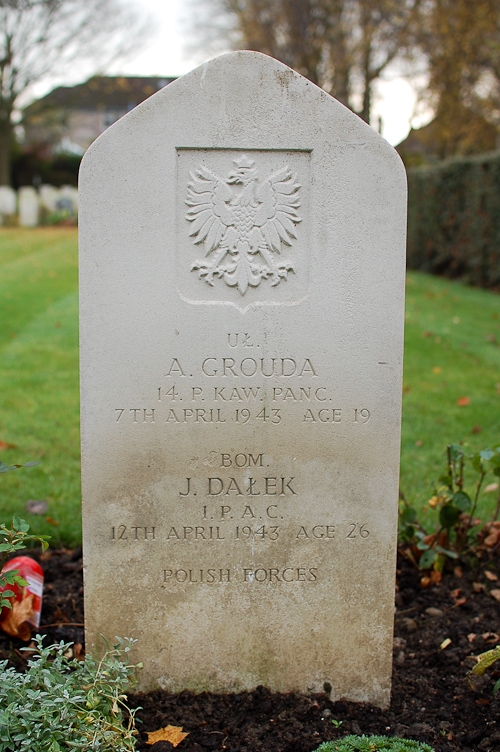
point(454, 219)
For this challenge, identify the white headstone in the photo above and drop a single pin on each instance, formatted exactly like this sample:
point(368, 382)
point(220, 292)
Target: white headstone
point(242, 281)
point(8, 202)
point(69, 194)
point(49, 196)
point(29, 207)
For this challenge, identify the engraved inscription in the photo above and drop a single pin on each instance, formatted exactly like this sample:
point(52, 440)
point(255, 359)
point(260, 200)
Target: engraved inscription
point(243, 221)
point(134, 532)
point(211, 576)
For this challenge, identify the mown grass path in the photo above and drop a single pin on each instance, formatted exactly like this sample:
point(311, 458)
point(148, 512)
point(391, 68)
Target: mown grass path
point(452, 352)
point(39, 397)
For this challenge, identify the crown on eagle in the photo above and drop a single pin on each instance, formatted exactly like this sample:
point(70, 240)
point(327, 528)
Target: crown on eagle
point(244, 162)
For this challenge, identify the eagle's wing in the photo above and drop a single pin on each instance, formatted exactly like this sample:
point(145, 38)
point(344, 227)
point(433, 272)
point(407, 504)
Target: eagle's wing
point(276, 215)
point(207, 198)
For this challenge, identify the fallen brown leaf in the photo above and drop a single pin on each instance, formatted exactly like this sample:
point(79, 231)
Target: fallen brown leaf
point(491, 487)
point(4, 445)
point(492, 539)
point(14, 623)
point(490, 637)
point(496, 594)
point(172, 734)
point(490, 575)
point(463, 401)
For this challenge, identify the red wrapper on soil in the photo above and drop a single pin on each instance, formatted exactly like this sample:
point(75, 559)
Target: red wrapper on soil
point(26, 601)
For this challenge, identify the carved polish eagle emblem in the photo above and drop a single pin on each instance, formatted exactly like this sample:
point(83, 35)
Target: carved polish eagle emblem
point(243, 223)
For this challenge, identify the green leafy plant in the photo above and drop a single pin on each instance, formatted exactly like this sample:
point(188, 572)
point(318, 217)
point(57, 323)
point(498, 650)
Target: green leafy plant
point(60, 704)
point(457, 527)
point(11, 540)
point(485, 660)
point(373, 744)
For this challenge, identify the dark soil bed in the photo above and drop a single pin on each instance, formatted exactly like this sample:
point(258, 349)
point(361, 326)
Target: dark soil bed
point(431, 701)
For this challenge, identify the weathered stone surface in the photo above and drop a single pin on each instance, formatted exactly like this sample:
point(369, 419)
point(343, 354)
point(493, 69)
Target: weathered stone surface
point(240, 406)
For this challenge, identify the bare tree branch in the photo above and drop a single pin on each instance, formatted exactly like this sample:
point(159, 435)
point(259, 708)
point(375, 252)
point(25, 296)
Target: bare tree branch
point(41, 38)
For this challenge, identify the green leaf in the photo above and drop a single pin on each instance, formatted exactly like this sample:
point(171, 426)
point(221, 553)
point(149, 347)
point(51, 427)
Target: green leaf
point(446, 480)
point(409, 516)
point(20, 580)
point(427, 559)
point(450, 554)
point(449, 515)
point(30, 464)
point(6, 468)
point(8, 593)
point(496, 687)
point(23, 526)
point(477, 463)
point(462, 501)
point(9, 576)
point(422, 546)
point(486, 454)
point(456, 452)
point(486, 660)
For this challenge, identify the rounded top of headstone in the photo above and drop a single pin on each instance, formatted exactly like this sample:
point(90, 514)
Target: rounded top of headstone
point(244, 91)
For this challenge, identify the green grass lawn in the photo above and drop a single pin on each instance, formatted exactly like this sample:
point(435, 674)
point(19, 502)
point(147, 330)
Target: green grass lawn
point(39, 377)
point(452, 351)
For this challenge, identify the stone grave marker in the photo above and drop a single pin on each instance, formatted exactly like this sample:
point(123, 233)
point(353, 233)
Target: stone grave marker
point(242, 282)
point(8, 202)
point(69, 198)
point(49, 196)
point(29, 206)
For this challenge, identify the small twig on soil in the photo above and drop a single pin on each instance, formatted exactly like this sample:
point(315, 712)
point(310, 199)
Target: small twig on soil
point(61, 624)
point(406, 611)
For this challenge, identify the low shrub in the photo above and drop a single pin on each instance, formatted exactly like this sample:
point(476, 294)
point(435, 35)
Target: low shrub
point(61, 704)
point(458, 533)
point(453, 219)
point(374, 744)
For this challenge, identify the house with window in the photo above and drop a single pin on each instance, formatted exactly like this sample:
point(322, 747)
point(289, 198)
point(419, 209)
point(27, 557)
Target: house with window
point(70, 118)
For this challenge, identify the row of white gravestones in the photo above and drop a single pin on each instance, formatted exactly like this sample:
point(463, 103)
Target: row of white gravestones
point(29, 203)
point(242, 265)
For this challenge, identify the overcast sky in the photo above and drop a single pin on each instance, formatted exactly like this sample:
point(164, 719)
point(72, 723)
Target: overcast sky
point(166, 55)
